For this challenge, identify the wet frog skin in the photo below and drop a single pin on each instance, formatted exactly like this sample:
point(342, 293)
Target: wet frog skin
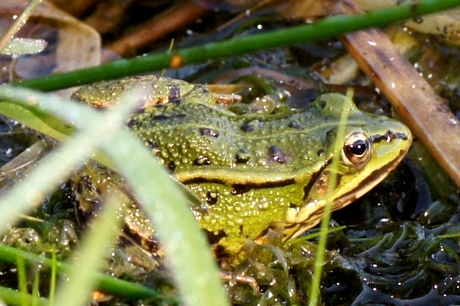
point(250, 171)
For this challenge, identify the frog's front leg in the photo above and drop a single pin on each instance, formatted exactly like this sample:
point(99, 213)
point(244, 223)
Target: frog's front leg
point(92, 183)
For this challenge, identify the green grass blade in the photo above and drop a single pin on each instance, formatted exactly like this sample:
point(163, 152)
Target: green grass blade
point(314, 297)
point(185, 245)
point(53, 276)
point(15, 298)
point(107, 283)
point(38, 120)
point(326, 28)
point(312, 236)
point(22, 280)
point(96, 245)
point(17, 24)
point(20, 46)
point(48, 124)
point(35, 288)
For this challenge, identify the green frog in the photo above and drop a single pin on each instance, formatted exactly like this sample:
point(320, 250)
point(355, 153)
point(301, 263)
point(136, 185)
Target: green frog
point(249, 171)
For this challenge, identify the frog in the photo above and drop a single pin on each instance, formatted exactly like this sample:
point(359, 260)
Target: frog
point(248, 171)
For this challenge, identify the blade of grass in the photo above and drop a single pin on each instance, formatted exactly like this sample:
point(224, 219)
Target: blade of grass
point(107, 283)
point(96, 244)
point(53, 276)
point(187, 249)
point(22, 280)
point(27, 157)
point(44, 106)
point(20, 46)
point(15, 298)
point(313, 235)
point(38, 120)
point(35, 288)
point(321, 249)
point(48, 124)
point(326, 28)
point(17, 24)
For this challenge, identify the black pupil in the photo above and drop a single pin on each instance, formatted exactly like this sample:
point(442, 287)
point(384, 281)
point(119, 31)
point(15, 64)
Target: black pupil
point(358, 147)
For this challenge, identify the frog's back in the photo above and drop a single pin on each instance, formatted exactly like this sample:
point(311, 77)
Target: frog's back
point(193, 135)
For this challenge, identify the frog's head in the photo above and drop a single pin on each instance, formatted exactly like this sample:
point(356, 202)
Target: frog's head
point(371, 147)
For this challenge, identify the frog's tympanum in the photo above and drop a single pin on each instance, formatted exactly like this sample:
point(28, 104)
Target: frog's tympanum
point(251, 171)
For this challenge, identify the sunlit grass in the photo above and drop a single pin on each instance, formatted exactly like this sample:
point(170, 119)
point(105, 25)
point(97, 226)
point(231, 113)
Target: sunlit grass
point(96, 244)
point(53, 276)
point(314, 297)
point(106, 283)
point(35, 288)
point(311, 236)
point(16, 298)
point(7, 37)
point(22, 279)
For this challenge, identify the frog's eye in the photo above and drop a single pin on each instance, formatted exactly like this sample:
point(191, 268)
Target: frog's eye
point(357, 149)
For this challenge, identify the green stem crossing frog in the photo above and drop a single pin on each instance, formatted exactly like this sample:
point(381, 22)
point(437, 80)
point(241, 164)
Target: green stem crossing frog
point(249, 171)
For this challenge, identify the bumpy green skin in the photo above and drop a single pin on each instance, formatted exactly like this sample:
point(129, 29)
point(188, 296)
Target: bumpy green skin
point(247, 170)
point(105, 94)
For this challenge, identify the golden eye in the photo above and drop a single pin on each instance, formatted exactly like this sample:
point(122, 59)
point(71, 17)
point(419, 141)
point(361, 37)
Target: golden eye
point(357, 149)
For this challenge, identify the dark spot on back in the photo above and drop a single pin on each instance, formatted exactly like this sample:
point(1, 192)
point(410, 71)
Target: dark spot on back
point(277, 154)
point(242, 156)
point(131, 123)
point(209, 132)
point(171, 166)
point(202, 161)
point(160, 118)
point(211, 197)
point(249, 127)
point(323, 102)
point(151, 145)
point(174, 95)
point(294, 125)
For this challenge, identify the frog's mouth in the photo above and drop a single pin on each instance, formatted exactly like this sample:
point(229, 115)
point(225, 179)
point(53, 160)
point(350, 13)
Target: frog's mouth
point(368, 183)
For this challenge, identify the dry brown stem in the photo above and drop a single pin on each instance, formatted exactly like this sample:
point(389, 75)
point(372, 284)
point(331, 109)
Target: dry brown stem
point(411, 96)
point(170, 20)
point(108, 15)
